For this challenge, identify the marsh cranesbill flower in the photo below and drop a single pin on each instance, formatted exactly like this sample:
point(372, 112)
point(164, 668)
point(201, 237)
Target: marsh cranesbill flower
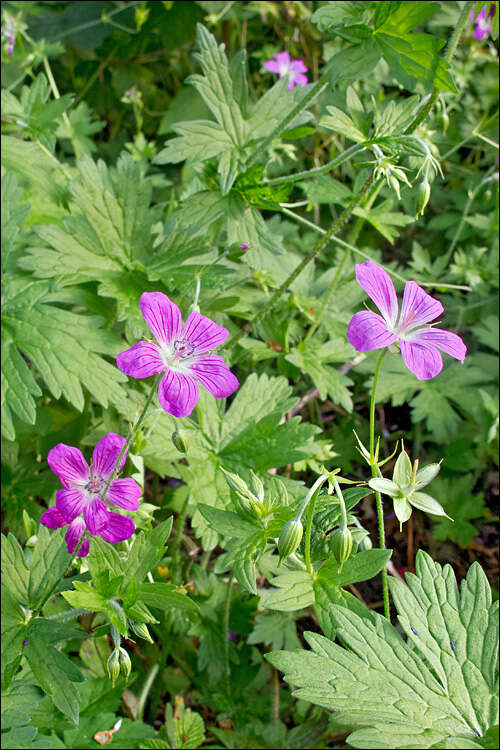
point(482, 25)
point(181, 353)
point(283, 65)
point(82, 503)
point(419, 342)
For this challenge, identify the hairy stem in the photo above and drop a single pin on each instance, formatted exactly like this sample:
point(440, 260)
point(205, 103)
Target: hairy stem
point(225, 633)
point(375, 472)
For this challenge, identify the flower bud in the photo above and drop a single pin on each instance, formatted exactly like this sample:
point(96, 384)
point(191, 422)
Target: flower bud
point(366, 543)
point(341, 544)
point(248, 506)
point(290, 537)
point(113, 666)
point(141, 630)
point(236, 483)
point(423, 195)
point(256, 486)
point(125, 663)
point(180, 441)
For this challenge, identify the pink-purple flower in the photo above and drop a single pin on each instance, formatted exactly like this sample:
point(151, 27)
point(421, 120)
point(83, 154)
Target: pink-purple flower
point(82, 503)
point(283, 65)
point(181, 353)
point(482, 25)
point(418, 340)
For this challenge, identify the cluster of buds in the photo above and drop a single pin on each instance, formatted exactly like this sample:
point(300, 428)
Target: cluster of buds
point(385, 168)
point(11, 27)
point(249, 499)
point(119, 661)
point(133, 96)
point(405, 486)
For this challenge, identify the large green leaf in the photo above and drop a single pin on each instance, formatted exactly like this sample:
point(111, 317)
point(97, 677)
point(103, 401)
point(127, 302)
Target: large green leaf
point(439, 689)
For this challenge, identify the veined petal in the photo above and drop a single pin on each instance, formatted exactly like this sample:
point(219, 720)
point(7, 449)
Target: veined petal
point(118, 528)
point(106, 454)
point(125, 493)
point(84, 548)
point(448, 342)
point(162, 316)
point(141, 360)
point(178, 393)
point(385, 486)
point(69, 464)
point(418, 307)
point(368, 331)
point(70, 503)
point(203, 333)
point(214, 375)
point(402, 509)
point(53, 519)
point(299, 79)
point(74, 534)
point(427, 503)
point(96, 516)
point(379, 287)
point(423, 361)
point(272, 66)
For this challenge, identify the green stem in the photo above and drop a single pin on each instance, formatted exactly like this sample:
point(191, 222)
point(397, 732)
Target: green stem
point(341, 500)
point(322, 242)
point(307, 173)
point(176, 545)
point(55, 90)
point(145, 691)
point(313, 92)
point(450, 51)
point(307, 541)
point(375, 472)
point(225, 630)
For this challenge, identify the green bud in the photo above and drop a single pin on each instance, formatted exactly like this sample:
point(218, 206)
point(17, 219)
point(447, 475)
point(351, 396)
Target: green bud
point(394, 184)
point(366, 543)
point(248, 506)
point(141, 630)
point(256, 486)
point(113, 666)
point(290, 537)
point(31, 542)
point(444, 120)
point(125, 663)
point(423, 195)
point(341, 544)
point(180, 441)
point(236, 483)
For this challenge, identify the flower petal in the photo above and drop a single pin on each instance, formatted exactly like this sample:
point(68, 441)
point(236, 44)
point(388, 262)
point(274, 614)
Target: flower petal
point(445, 340)
point(118, 528)
point(368, 331)
point(106, 454)
point(427, 503)
point(53, 519)
point(402, 509)
point(203, 333)
point(379, 287)
point(272, 66)
point(385, 486)
point(283, 58)
point(74, 534)
point(178, 393)
point(418, 307)
point(70, 503)
point(214, 375)
point(298, 66)
point(162, 316)
point(84, 548)
point(96, 516)
point(69, 464)
point(125, 493)
point(299, 79)
point(141, 360)
point(423, 361)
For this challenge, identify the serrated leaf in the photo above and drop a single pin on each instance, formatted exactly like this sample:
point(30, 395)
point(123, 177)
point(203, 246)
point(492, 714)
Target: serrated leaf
point(291, 591)
point(164, 596)
point(49, 561)
point(440, 687)
point(360, 567)
point(15, 569)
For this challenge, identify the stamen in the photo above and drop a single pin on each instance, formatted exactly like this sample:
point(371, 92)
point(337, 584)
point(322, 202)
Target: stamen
point(183, 348)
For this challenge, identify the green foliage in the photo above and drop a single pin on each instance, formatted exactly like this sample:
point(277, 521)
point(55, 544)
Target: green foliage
point(440, 688)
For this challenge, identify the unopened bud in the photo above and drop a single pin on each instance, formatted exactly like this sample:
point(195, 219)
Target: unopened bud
point(141, 630)
point(236, 483)
point(247, 506)
point(342, 544)
point(290, 537)
point(256, 487)
point(180, 441)
point(125, 663)
point(423, 195)
point(113, 666)
point(365, 544)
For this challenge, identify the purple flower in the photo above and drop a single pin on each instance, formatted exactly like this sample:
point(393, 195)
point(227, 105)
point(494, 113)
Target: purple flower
point(81, 503)
point(419, 341)
point(181, 354)
point(284, 66)
point(244, 246)
point(482, 24)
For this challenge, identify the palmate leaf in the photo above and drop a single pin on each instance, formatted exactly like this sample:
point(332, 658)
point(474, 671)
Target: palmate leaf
point(440, 691)
point(64, 347)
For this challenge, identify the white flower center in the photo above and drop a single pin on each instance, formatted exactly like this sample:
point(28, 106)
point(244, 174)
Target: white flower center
point(176, 354)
